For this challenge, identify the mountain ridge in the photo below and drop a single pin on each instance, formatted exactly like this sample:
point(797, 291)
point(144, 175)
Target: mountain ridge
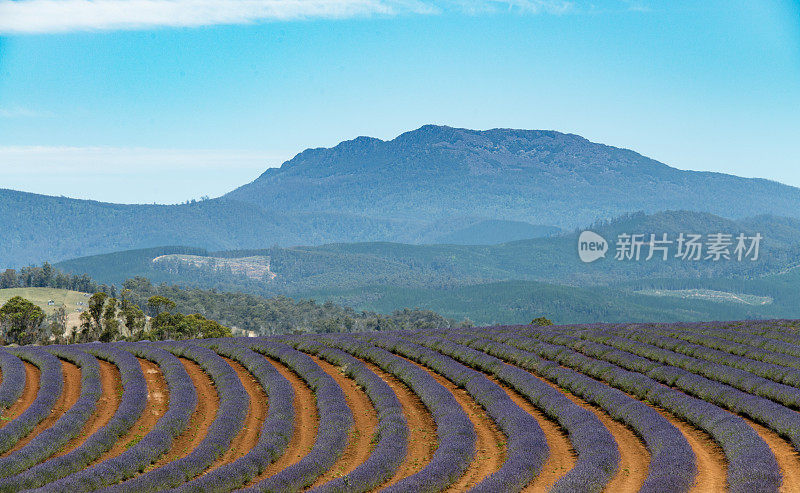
point(429, 185)
point(537, 176)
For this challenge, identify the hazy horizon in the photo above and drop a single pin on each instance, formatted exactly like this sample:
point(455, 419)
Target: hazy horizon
point(176, 102)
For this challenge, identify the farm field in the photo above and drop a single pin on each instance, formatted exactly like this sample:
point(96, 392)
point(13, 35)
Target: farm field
point(73, 301)
point(41, 296)
point(698, 407)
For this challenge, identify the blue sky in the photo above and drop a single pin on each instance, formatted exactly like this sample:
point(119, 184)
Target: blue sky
point(163, 101)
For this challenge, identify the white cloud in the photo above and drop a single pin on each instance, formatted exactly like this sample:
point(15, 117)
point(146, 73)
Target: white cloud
point(20, 112)
point(55, 16)
point(130, 175)
point(126, 160)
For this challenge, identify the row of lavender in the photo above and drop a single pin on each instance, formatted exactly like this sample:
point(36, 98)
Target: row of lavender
point(745, 369)
point(708, 375)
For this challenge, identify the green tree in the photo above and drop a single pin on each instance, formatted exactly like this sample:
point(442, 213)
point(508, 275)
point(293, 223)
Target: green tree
point(96, 304)
point(541, 322)
point(84, 332)
point(158, 304)
point(58, 324)
point(133, 317)
point(21, 321)
point(213, 329)
point(9, 279)
point(110, 323)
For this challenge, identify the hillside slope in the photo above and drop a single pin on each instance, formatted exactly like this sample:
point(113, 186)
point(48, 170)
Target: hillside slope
point(541, 177)
point(38, 228)
point(431, 185)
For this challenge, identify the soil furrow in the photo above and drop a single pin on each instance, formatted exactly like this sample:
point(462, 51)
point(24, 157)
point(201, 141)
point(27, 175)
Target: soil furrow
point(634, 458)
point(305, 424)
point(32, 375)
point(490, 443)
point(365, 424)
point(248, 437)
point(201, 419)
point(422, 442)
point(106, 406)
point(562, 456)
point(157, 404)
point(710, 460)
point(785, 454)
point(69, 396)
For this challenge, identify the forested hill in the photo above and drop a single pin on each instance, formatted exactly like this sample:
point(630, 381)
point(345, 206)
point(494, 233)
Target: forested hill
point(36, 228)
point(553, 259)
point(431, 185)
point(541, 177)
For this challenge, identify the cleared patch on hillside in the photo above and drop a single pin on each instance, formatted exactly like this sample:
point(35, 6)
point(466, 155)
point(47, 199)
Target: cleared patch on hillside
point(257, 267)
point(709, 295)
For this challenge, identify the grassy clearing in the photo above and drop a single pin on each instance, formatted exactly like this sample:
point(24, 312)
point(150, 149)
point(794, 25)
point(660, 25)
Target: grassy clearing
point(41, 297)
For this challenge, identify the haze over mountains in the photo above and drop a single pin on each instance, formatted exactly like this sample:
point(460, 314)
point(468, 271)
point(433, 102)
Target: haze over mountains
point(503, 283)
point(431, 185)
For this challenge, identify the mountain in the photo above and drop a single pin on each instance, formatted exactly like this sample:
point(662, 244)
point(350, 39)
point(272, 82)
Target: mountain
point(536, 176)
point(431, 185)
point(494, 232)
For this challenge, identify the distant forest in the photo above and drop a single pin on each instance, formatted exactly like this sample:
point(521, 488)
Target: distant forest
point(48, 276)
point(261, 315)
point(281, 315)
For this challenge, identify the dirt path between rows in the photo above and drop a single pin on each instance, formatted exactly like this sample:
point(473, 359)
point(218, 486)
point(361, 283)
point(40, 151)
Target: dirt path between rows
point(711, 464)
point(710, 460)
point(156, 407)
point(201, 419)
point(69, 396)
point(562, 456)
point(490, 443)
point(422, 439)
point(634, 460)
point(305, 424)
point(32, 375)
point(365, 424)
point(107, 405)
point(247, 438)
point(785, 454)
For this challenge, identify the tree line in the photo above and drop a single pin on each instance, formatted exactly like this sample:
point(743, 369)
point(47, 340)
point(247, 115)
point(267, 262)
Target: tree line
point(48, 276)
point(281, 314)
point(143, 310)
point(106, 319)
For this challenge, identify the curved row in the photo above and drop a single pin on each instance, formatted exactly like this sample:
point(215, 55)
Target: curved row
point(50, 386)
point(455, 434)
point(274, 434)
point(672, 463)
point(392, 433)
point(527, 445)
point(13, 384)
point(134, 397)
point(335, 419)
point(778, 418)
point(52, 439)
point(334, 412)
point(230, 416)
point(752, 466)
point(182, 401)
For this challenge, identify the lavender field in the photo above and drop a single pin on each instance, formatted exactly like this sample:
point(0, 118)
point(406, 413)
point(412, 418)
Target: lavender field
point(582, 408)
